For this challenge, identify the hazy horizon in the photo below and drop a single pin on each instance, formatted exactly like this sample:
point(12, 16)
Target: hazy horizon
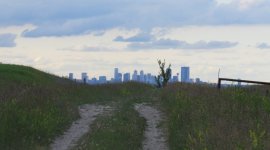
point(96, 36)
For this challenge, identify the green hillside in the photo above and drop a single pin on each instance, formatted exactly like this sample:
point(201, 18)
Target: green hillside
point(23, 75)
point(31, 110)
point(35, 107)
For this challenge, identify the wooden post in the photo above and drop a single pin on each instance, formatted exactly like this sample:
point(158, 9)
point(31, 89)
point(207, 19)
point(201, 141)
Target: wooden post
point(219, 83)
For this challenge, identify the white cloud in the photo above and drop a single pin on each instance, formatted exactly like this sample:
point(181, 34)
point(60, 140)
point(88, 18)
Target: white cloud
point(242, 4)
point(7, 40)
point(85, 48)
point(143, 40)
point(245, 4)
point(65, 17)
point(141, 37)
point(263, 46)
point(176, 44)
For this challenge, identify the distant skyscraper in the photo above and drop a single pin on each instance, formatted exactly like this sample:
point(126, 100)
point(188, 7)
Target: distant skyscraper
point(134, 75)
point(84, 77)
point(102, 79)
point(169, 70)
point(126, 77)
point(119, 77)
point(148, 78)
point(153, 80)
point(116, 74)
point(145, 78)
point(185, 74)
point(141, 76)
point(70, 76)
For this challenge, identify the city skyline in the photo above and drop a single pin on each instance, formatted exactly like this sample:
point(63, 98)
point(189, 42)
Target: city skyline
point(206, 35)
point(137, 76)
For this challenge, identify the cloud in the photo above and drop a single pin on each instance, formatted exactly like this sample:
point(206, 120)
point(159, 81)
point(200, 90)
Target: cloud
point(85, 48)
point(7, 40)
point(176, 44)
point(142, 37)
point(263, 46)
point(66, 17)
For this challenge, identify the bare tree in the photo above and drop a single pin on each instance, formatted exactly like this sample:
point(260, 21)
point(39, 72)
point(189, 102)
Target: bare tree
point(164, 75)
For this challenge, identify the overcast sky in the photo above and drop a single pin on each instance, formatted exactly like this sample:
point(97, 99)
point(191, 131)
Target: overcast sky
point(96, 36)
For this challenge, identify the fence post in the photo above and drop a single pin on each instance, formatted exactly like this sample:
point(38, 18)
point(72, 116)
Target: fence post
point(219, 83)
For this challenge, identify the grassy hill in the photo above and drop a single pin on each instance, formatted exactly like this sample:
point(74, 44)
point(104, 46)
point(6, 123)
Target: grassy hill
point(35, 107)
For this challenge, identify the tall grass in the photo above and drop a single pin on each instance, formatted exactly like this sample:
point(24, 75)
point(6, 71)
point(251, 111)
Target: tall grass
point(202, 117)
point(33, 116)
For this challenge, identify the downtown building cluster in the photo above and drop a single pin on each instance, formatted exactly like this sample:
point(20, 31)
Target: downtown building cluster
point(136, 76)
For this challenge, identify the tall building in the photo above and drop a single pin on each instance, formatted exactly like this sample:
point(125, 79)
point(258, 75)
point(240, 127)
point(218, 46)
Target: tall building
point(116, 74)
point(141, 76)
point(134, 75)
point(126, 77)
point(119, 77)
point(70, 76)
point(148, 78)
point(185, 74)
point(153, 79)
point(102, 79)
point(138, 78)
point(84, 77)
point(169, 70)
point(145, 78)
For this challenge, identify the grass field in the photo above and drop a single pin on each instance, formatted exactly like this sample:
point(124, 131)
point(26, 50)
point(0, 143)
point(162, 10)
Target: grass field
point(202, 117)
point(35, 107)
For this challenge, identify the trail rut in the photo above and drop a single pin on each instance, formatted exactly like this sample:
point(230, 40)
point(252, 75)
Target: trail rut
point(80, 127)
point(155, 138)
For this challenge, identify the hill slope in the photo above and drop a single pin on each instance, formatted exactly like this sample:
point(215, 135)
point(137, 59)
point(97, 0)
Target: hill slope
point(31, 111)
point(23, 74)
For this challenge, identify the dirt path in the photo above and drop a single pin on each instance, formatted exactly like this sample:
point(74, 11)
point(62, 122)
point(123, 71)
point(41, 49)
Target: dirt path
point(80, 127)
point(154, 136)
